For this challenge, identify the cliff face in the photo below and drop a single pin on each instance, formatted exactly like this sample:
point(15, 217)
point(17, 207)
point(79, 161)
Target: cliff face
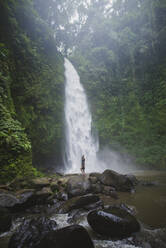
point(31, 91)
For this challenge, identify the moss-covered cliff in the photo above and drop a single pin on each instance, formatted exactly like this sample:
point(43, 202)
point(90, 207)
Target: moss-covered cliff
point(31, 91)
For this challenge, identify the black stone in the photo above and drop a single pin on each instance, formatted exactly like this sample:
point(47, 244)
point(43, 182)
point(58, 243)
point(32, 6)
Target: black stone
point(114, 222)
point(74, 236)
point(5, 220)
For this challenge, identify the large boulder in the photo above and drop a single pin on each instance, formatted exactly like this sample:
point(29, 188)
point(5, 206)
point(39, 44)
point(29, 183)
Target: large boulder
point(25, 198)
point(31, 231)
point(21, 200)
point(119, 181)
point(114, 222)
point(71, 236)
point(78, 185)
point(5, 220)
point(26, 183)
point(78, 202)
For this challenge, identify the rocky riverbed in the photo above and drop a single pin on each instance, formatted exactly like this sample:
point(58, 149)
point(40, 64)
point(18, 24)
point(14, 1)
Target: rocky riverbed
point(71, 211)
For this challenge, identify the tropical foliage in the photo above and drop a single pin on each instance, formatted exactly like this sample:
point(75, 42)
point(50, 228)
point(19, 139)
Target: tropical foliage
point(120, 55)
point(31, 92)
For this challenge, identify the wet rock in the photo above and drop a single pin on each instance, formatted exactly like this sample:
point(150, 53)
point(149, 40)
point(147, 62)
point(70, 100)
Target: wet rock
point(78, 185)
point(78, 202)
point(72, 236)
point(5, 220)
point(42, 195)
point(97, 188)
point(37, 209)
point(97, 205)
point(93, 180)
point(130, 209)
point(155, 238)
point(77, 215)
point(8, 200)
point(95, 174)
point(132, 179)
point(86, 200)
point(63, 180)
point(45, 209)
point(52, 199)
point(108, 189)
point(41, 182)
point(61, 196)
point(24, 198)
point(31, 232)
point(119, 181)
point(74, 215)
point(28, 198)
point(113, 222)
point(24, 195)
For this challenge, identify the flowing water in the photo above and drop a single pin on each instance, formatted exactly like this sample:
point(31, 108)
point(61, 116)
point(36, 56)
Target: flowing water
point(79, 138)
point(78, 132)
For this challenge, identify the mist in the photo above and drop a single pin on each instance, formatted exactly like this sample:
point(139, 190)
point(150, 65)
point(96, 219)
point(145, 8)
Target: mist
point(114, 160)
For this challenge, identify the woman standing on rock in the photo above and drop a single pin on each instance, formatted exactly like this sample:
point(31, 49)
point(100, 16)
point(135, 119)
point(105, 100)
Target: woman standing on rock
point(83, 164)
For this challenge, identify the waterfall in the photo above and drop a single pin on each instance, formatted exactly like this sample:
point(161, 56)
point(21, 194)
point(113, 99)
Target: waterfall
point(79, 138)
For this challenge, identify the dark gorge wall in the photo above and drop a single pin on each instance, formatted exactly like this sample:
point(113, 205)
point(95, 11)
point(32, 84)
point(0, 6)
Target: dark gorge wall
point(31, 92)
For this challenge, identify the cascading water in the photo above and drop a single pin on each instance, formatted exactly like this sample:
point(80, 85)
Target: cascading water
point(79, 138)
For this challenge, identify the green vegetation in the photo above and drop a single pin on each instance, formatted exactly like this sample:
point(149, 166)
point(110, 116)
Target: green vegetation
point(31, 92)
point(120, 55)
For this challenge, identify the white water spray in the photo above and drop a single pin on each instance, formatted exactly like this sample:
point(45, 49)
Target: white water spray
point(79, 138)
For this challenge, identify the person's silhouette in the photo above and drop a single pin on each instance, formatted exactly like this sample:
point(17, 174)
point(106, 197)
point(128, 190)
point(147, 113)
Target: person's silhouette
point(83, 164)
